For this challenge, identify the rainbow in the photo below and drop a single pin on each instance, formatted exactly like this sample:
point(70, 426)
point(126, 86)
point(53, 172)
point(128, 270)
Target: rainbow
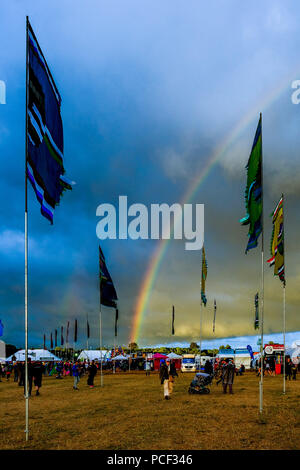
point(153, 267)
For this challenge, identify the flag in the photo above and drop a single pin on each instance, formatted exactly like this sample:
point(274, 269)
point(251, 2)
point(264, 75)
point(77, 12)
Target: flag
point(87, 329)
point(173, 320)
point(51, 341)
point(253, 193)
point(55, 338)
point(67, 337)
point(1, 328)
point(44, 159)
point(215, 312)
point(107, 289)
point(203, 277)
point(116, 322)
point(62, 336)
point(277, 242)
point(250, 351)
point(75, 332)
point(44, 341)
point(256, 320)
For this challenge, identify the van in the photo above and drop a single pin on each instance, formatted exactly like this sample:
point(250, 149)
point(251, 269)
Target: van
point(188, 363)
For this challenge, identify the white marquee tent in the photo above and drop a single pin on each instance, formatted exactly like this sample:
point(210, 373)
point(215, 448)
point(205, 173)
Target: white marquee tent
point(93, 355)
point(35, 355)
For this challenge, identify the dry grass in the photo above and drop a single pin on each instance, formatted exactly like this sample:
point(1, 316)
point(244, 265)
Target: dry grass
point(129, 412)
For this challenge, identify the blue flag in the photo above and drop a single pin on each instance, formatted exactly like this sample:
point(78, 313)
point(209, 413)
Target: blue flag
point(250, 351)
point(1, 328)
point(44, 157)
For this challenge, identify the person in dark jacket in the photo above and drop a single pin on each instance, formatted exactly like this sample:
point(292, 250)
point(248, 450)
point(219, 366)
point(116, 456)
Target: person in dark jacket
point(76, 375)
point(228, 372)
point(37, 373)
point(208, 367)
point(30, 376)
point(92, 371)
point(164, 378)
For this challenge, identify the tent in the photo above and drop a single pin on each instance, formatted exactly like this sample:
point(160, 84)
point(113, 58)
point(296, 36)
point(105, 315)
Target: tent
point(176, 358)
point(93, 355)
point(120, 357)
point(34, 355)
point(157, 357)
point(294, 352)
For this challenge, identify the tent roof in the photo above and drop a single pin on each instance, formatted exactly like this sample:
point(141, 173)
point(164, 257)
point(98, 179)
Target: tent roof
point(159, 356)
point(93, 354)
point(35, 355)
point(172, 355)
point(120, 357)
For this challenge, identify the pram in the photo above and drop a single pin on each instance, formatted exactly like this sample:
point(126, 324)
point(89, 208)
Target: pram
point(199, 384)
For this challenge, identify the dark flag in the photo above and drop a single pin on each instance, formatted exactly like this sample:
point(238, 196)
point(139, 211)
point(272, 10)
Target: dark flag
point(277, 242)
point(173, 320)
point(44, 159)
point(253, 193)
point(67, 338)
point(55, 338)
point(62, 336)
point(44, 341)
point(107, 289)
point(87, 329)
point(51, 341)
point(215, 313)
point(203, 277)
point(116, 322)
point(1, 328)
point(75, 332)
point(256, 320)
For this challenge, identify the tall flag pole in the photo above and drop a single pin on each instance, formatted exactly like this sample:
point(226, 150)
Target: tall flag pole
point(51, 341)
point(256, 319)
point(44, 341)
point(67, 335)
point(108, 295)
point(173, 320)
point(43, 154)
point(277, 260)
point(203, 296)
point(215, 313)
point(62, 336)
point(254, 218)
point(75, 335)
point(55, 338)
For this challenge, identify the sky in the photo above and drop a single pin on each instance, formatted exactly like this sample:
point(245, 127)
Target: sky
point(150, 92)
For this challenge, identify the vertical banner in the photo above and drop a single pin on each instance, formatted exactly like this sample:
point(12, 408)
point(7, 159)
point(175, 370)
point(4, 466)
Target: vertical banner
point(215, 312)
point(173, 320)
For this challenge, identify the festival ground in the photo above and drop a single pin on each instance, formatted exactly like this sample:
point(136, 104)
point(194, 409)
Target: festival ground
point(129, 412)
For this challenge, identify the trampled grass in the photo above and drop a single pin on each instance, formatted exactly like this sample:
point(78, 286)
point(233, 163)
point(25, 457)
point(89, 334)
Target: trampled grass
point(129, 412)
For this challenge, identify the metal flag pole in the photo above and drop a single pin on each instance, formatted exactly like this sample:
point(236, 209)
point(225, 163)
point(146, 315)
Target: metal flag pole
point(261, 384)
point(26, 252)
point(284, 324)
point(200, 330)
point(87, 332)
point(101, 358)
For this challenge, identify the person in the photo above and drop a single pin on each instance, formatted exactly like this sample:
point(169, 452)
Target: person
point(208, 367)
point(147, 367)
point(294, 371)
point(29, 366)
point(172, 375)
point(241, 370)
point(59, 368)
point(92, 371)
point(288, 369)
point(37, 373)
point(164, 378)
point(75, 372)
point(228, 371)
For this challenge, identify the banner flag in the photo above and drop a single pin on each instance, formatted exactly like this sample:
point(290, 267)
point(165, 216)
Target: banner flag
point(253, 193)
point(173, 320)
point(256, 320)
point(107, 289)
point(203, 277)
point(277, 242)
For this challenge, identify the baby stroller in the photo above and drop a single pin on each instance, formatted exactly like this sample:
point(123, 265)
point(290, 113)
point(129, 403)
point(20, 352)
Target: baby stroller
point(199, 384)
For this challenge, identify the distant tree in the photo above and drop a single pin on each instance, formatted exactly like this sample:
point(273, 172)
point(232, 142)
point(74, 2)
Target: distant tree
point(228, 346)
point(221, 347)
point(271, 342)
point(133, 346)
point(194, 346)
point(10, 349)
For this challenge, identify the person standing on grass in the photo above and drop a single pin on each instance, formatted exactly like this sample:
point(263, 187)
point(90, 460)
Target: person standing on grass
point(92, 371)
point(75, 372)
point(228, 372)
point(37, 372)
point(288, 369)
point(147, 367)
point(164, 378)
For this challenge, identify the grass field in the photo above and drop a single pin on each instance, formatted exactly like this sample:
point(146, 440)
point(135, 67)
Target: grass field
point(129, 412)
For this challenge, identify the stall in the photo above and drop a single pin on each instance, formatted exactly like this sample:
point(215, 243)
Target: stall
point(176, 358)
point(157, 357)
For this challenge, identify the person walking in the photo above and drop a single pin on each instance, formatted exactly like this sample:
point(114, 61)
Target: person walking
point(164, 378)
point(294, 371)
point(37, 373)
point(75, 372)
point(30, 376)
point(228, 372)
point(288, 369)
point(92, 371)
point(147, 367)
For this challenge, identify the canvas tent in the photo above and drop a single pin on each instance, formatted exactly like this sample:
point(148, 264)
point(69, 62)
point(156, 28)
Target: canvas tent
point(176, 358)
point(93, 355)
point(120, 357)
point(294, 352)
point(34, 355)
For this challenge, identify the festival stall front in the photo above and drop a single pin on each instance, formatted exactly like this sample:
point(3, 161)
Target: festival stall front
point(176, 358)
point(157, 357)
